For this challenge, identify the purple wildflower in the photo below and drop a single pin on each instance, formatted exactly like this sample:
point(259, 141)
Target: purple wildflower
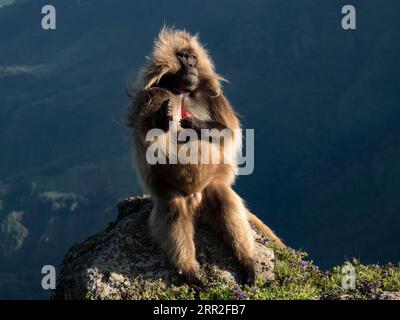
point(372, 288)
point(237, 292)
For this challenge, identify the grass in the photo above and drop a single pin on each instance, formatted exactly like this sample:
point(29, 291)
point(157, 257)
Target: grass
point(298, 278)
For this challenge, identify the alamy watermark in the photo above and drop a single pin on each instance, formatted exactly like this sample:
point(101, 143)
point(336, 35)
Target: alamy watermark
point(348, 21)
point(349, 277)
point(49, 278)
point(211, 146)
point(49, 19)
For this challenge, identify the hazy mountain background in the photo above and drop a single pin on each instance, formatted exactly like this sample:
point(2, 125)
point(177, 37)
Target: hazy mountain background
point(324, 103)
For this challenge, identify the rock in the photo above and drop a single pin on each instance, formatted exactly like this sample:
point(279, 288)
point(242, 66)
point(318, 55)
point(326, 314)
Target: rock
point(123, 263)
point(389, 296)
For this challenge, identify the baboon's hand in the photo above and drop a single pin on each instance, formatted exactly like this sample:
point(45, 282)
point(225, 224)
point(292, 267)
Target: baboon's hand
point(164, 115)
point(167, 107)
point(197, 124)
point(193, 123)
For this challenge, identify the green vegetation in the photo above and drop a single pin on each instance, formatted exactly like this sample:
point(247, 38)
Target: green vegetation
point(296, 278)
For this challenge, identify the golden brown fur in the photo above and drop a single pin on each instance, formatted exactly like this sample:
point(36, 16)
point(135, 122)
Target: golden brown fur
point(182, 191)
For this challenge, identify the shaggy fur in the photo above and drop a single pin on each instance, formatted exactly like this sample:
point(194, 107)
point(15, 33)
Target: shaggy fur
point(182, 192)
point(163, 59)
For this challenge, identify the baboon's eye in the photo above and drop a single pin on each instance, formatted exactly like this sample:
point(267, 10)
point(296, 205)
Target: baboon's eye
point(185, 55)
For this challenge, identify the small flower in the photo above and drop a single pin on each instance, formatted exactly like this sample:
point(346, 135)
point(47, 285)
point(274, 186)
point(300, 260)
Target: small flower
point(372, 288)
point(237, 292)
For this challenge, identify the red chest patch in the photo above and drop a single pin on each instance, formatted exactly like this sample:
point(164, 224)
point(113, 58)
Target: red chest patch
point(185, 113)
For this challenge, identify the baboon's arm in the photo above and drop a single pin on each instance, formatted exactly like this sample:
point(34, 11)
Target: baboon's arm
point(198, 124)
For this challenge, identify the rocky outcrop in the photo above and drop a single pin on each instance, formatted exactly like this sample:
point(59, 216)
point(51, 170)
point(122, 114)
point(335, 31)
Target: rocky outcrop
point(123, 263)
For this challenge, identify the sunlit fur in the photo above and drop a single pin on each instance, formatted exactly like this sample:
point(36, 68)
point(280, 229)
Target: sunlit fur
point(181, 192)
point(163, 59)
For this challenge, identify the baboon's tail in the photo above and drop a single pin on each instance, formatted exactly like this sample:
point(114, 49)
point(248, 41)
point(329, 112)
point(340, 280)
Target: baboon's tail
point(264, 229)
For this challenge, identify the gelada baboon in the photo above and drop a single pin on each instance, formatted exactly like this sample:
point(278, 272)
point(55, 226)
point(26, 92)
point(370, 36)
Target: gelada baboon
point(180, 85)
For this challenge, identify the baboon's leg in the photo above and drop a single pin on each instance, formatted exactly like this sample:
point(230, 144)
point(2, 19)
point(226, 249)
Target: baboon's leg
point(171, 225)
point(225, 211)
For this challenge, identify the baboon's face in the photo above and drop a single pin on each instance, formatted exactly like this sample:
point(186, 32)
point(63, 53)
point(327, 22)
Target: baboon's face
point(188, 73)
